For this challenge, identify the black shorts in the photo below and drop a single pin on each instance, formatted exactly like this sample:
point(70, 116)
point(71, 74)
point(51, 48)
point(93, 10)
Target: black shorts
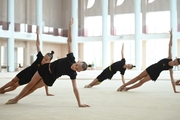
point(152, 73)
point(46, 75)
point(106, 74)
point(23, 77)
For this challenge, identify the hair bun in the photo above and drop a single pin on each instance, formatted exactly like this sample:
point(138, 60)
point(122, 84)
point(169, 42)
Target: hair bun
point(52, 52)
point(89, 65)
point(178, 59)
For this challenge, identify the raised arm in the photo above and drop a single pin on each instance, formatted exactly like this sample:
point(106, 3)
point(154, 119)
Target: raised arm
point(172, 81)
point(170, 46)
point(122, 51)
point(37, 39)
point(69, 40)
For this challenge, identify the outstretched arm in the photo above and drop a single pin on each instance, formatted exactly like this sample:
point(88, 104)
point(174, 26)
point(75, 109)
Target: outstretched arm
point(170, 46)
point(47, 91)
point(77, 94)
point(122, 51)
point(172, 81)
point(37, 39)
point(69, 40)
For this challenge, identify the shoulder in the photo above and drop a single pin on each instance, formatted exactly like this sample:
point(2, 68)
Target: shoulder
point(39, 53)
point(123, 59)
point(70, 54)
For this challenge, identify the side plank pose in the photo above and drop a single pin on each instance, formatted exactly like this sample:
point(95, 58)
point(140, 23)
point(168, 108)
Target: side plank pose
point(154, 70)
point(26, 74)
point(108, 72)
point(48, 73)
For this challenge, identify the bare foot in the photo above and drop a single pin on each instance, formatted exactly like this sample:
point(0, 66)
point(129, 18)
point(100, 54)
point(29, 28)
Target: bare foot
point(87, 86)
point(11, 101)
point(121, 88)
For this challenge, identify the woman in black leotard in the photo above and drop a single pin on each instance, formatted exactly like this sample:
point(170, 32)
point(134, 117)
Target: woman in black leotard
point(26, 74)
point(154, 70)
point(48, 73)
point(108, 72)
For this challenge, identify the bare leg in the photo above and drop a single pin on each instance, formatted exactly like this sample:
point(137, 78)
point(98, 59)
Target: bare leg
point(38, 85)
point(11, 88)
point(11, 83)
point(34, 80)
point(139, 77)
point(177, 82)
point(147, 78)
point(93, 83)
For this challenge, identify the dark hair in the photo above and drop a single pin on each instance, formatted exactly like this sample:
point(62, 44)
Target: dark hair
point(84, 65)
point(90, 65)
point(50, 54)
point(133, 66)
point(178, 59)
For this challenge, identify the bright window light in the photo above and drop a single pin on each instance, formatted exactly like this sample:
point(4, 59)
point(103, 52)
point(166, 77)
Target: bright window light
point(90, 3)
point(119, 2)
point(150, 1)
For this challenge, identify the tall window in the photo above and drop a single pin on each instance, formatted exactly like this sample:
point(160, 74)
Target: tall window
point(93, 53)
point(158, 22)
point(93, 25)
point(129, 48)
point(124, 24)
point(156, 50)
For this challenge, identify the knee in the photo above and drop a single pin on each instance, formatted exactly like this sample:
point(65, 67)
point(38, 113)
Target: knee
point(14, 86)
point(14, 80)
point(141, 82)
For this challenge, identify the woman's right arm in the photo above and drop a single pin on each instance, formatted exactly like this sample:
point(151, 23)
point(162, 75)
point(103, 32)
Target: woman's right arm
point(170, 46)
point(69, 40)
point(37, 39)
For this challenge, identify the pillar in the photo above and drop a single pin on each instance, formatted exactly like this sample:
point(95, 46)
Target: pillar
point(138, 42)
point(112, 7)
point(10, 42)
point(74, 12)
point(144, 12)
point(105, 42)
point(39, 16)
point(173, 19)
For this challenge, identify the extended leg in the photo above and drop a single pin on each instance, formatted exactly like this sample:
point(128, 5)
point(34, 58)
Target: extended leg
point(147, 78)
point(139, 77)
point(93, 83)
point(35, 79)
point(9, 84)
point(38, 85)
point(11, 88)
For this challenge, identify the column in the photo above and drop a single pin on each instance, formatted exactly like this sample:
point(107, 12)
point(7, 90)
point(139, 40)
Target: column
point(173, 19)
point(10, 43)
point(74, 12)
point(144, 55)
point(105, 42)
point(144, 11)
point(0, 58)
point(81, 15)
point(39, 16)
point(112, 7)
point(138, 43)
